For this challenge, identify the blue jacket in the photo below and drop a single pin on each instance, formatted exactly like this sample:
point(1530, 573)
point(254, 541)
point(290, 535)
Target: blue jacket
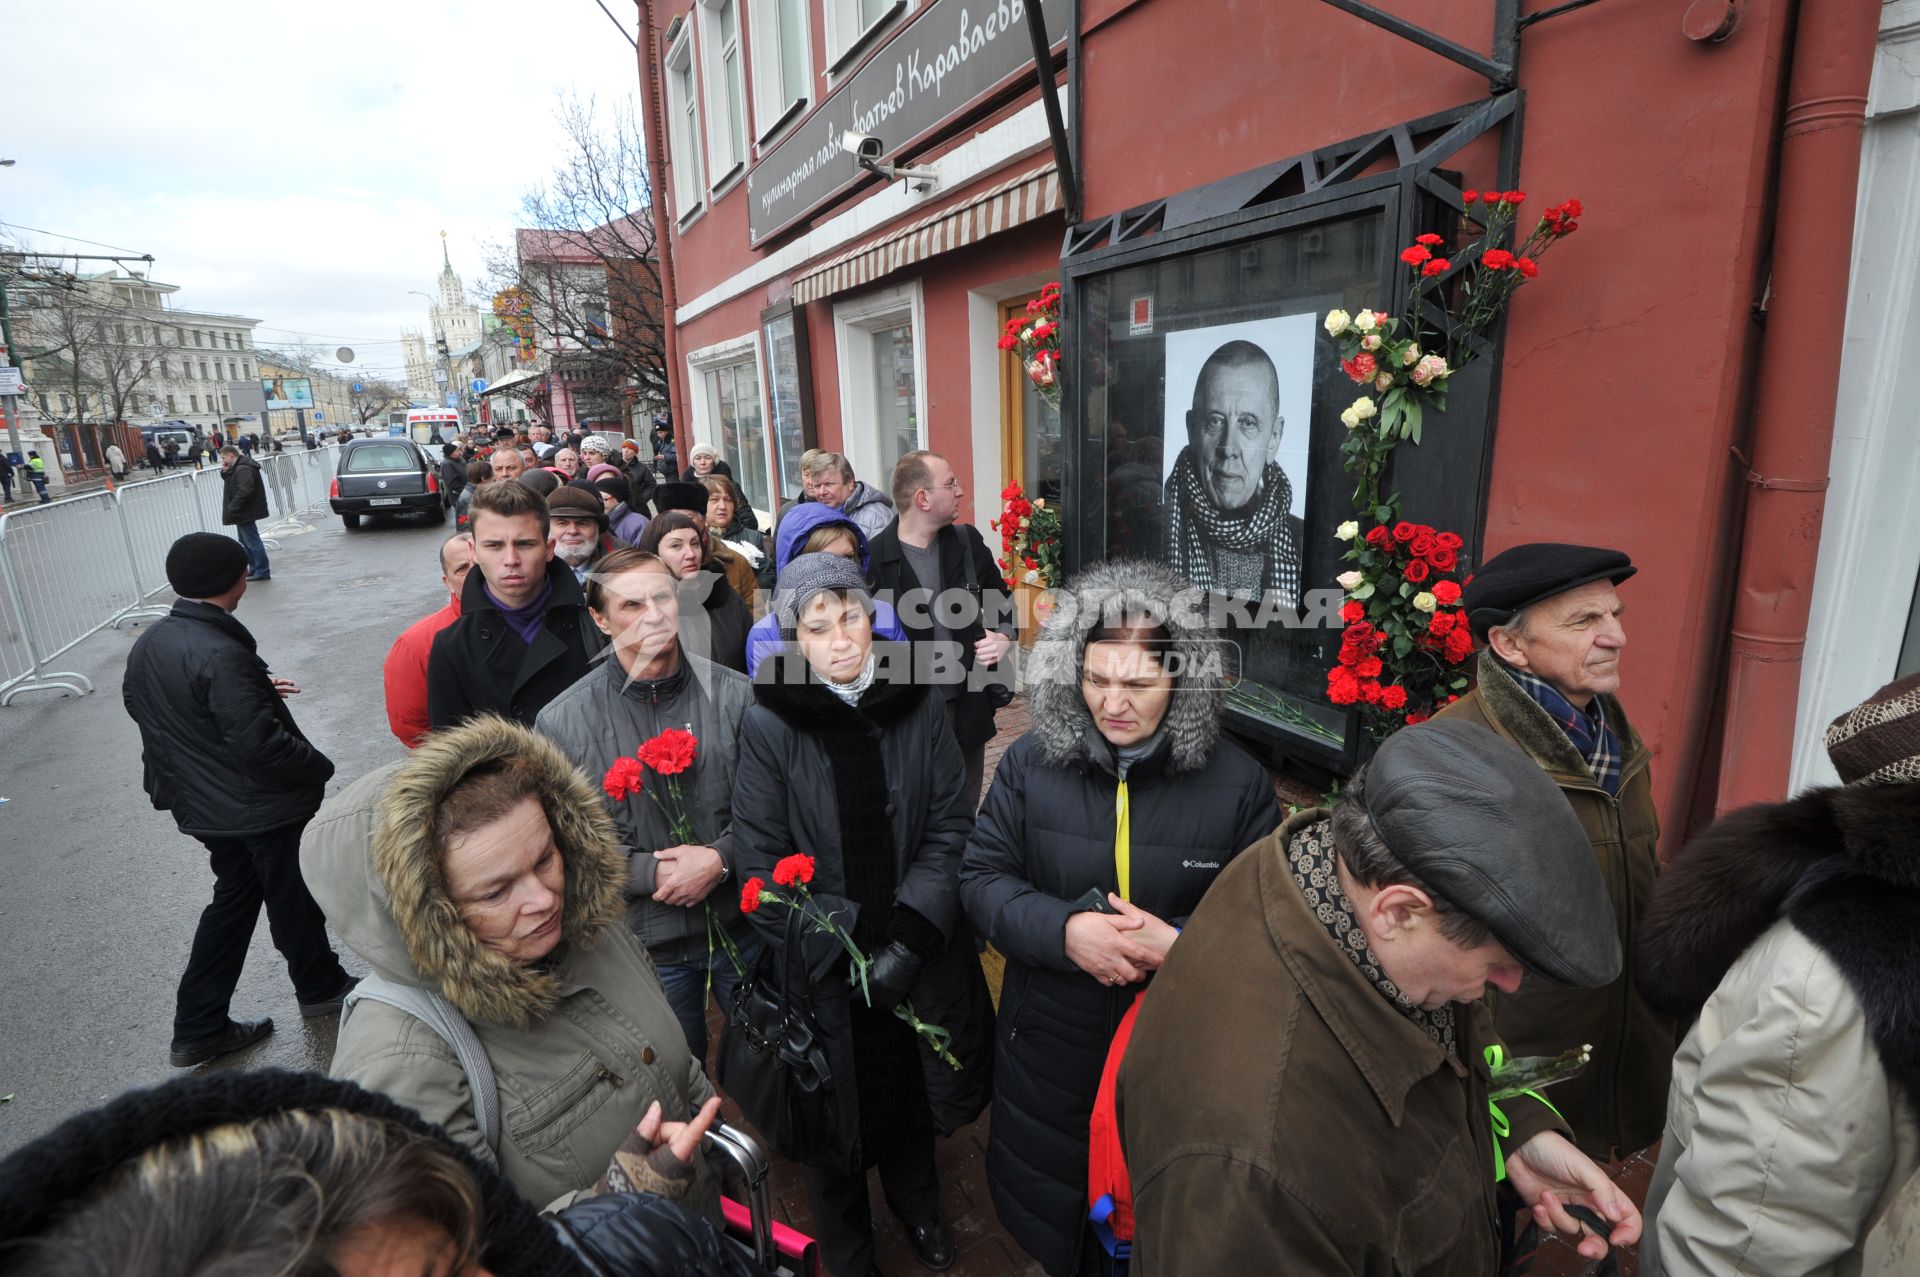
point(796, 525)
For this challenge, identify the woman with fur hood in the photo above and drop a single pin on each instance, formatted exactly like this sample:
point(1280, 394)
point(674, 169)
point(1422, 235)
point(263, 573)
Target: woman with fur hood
point(1792, 931)
point(1103, 828)
point(843, 759)
point(483, 869)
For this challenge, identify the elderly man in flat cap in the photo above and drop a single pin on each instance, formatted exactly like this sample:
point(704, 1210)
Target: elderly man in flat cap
point(1307, 1087)
point(1548, 680)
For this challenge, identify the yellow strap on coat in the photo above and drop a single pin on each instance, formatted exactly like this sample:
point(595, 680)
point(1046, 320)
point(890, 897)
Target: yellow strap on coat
point(1122, 842)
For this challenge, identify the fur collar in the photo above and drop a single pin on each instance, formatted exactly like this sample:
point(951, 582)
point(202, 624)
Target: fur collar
point(1534, 730)
point(1061, 722)
point(787, 686)
point(1843, 865)
point(481, 983)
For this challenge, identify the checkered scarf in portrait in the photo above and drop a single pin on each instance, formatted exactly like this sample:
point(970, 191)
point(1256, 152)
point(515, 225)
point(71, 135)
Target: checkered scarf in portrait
point(1195, 523)
point(1588, 729)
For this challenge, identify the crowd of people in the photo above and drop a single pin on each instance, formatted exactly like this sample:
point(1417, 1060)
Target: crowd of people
point(1413, 1028)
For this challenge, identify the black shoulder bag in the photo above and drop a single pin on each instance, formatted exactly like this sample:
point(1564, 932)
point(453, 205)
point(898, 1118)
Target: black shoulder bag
point(999, 691)
point(773, 1059)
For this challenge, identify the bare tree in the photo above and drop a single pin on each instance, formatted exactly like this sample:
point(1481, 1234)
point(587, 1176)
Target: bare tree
point(585, 259)
point(376, 398)
point(101, 354)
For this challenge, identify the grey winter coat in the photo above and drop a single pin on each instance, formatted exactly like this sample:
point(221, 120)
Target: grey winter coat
point(580, 1043)
point(1044, 837)
point(870, 509)
point(606, 715)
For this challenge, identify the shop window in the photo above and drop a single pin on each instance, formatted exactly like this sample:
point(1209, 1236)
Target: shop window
point(683, 113)
point(726, 87)
point(882, 379)
point(782, 67)
point(739, 429)
point(849, 22)
point(789, 393)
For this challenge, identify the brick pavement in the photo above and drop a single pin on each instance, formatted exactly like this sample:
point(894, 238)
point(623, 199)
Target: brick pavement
point(984, 1249)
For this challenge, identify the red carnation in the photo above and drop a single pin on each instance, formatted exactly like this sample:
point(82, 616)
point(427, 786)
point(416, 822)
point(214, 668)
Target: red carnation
point(1416, 570)
point(793, 869)
point(1360, 367)
point(1447, 592)
point(1341, 687)
point(671, 752)
point(1007, 341)
point(1527, 267)
point(1438, 266)
point(1370, 667)
point(1513, 197)
point(1468, 197)
point(1394, 697)
point(1415, 255)
point(1404, 532)
point(1370, 693)
point(1459, 646)
point(623, 778)
point(1496, 259)
point(1429, 239)
point(1441, 624)
point(1353, 611)
point(750, 894)
point(1415, 719)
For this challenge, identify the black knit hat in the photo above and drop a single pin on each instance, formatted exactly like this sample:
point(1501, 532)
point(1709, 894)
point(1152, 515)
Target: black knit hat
point(58, 1171)
point(690, 497)
point(807, 575)
point(205, 565)
point(1526, 574)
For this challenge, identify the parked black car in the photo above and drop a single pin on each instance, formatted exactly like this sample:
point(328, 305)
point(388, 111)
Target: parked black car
point(385, 475)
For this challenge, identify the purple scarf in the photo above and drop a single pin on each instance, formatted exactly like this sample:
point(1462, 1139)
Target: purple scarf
point(526, 619)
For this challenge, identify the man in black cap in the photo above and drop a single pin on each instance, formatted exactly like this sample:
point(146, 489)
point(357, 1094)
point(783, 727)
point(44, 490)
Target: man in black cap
point(578, 526)
point(1306, 1089)
point(1548, 617)
point(223, 754)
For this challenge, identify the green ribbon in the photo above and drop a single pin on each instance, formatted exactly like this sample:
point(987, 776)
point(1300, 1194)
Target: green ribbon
point(1496, 1057)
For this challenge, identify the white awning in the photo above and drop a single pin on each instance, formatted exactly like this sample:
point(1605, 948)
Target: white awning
point(1030, 196)
point(513, 379)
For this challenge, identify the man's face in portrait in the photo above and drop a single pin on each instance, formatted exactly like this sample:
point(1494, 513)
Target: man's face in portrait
point(1234, 429)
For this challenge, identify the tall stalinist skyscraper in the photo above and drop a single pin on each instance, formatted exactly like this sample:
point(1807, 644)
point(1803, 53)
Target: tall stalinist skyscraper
point(450, 317)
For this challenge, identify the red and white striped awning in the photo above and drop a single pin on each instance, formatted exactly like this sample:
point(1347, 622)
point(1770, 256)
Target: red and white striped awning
point(1027, 197)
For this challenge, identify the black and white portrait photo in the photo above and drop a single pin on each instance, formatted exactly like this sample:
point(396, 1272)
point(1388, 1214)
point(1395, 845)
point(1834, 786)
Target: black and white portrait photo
point(1239, 396)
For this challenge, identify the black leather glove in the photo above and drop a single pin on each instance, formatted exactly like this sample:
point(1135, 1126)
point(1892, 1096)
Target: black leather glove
point(892, 974)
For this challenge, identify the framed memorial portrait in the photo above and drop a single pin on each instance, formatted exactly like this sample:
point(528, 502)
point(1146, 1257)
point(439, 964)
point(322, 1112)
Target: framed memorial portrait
point(789, 393)
point(1202, 400)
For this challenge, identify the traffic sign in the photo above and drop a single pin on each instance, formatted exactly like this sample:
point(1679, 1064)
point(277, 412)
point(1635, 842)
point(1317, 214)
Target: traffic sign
point(479, 384)
point(358, 388)
point(11, 382)
point(319, 416)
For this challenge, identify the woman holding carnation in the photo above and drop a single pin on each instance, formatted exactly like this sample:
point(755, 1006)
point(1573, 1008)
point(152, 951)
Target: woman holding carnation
point(844, 759)
point(1104, 826)
point(652, 720)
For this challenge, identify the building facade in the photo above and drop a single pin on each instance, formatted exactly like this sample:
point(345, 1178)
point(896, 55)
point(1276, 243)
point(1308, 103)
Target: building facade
point(453, 323)
point(1215, 164)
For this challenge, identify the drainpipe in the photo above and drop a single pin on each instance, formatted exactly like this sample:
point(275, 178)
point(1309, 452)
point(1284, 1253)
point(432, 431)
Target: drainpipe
point(1822, 128)
point(662, 226)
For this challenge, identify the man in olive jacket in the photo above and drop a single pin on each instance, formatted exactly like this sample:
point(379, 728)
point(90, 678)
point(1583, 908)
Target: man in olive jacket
point(1547, 681)
point(222, 754)
point(1306, 1089)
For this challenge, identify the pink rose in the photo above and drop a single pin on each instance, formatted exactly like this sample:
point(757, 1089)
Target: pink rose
point(1431, 368)
point(1410, 356)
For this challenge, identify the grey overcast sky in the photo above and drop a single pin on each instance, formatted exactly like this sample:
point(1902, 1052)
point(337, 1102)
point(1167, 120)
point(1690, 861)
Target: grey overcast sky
point(294, 161)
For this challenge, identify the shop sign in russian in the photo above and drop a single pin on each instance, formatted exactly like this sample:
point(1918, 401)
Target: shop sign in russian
point(952, 54)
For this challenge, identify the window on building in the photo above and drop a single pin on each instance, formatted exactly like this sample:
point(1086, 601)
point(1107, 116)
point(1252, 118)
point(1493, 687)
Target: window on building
point(246, 368)
point(199, 338)
point(224, 405)
point(193, 403)
point(170, 407)
point(179, 336)
point(726, 86)
point(882, 378)
point(229, 337)
point(683, 110)
point(848, 22)
point(66, 404)
point(203, 371)
point(120, 332)
point(782, 67)
point(740, 432)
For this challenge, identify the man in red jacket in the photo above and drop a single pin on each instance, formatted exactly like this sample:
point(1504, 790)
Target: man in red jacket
point(406, 667)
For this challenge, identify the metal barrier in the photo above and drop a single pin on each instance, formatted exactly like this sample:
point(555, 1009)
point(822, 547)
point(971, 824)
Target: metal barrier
point(83, 564)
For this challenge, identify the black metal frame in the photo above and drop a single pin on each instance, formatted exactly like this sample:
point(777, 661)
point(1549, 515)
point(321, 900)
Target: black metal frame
point(1327, 183)
point(809, 426)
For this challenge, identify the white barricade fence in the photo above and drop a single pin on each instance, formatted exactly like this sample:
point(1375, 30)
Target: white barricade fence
point(80, 565)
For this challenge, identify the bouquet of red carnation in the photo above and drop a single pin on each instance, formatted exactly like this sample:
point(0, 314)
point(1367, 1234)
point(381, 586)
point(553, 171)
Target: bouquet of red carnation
point(794, 873)
point(1034, 339)
point(1029, 539)
point(670, 754)
point(1405, 632)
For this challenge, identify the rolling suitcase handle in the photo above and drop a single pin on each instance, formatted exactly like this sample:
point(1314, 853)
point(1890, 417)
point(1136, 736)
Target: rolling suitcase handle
point(777, 1249)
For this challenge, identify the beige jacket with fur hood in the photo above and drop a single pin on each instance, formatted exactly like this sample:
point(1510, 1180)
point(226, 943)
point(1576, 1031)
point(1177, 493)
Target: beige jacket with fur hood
point(580, 1044)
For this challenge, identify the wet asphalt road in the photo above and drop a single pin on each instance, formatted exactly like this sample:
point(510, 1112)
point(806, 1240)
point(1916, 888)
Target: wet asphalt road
point(99, 893)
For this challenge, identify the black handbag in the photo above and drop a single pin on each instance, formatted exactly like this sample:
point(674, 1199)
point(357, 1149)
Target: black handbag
point(773, 1059)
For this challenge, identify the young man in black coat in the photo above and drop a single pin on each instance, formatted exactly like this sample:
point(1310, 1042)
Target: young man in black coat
point(524, 635)
point(223, 754)
point(921, 558)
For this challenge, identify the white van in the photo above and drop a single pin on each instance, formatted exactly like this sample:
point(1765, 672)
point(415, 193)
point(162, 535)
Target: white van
point(432, 426)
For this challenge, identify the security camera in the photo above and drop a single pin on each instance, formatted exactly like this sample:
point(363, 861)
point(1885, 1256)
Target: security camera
point(864, 146)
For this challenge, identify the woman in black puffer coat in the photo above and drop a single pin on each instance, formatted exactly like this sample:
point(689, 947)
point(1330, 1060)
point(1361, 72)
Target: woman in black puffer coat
point(1122, 699)
point(845, 760)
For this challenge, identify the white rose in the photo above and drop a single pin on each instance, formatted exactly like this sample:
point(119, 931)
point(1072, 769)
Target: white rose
point(1424, 601)
point(1346, 531)
point(1410, 356)
point(1351, 581)
point(1349, 420)
point(1366, 321)
point(1338, 321)
point(1363, 408)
